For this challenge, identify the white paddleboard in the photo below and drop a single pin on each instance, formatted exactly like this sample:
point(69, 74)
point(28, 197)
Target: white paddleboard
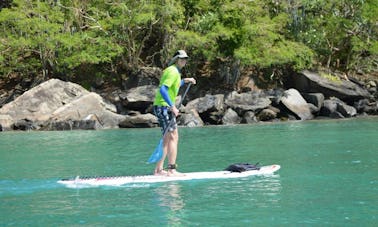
point(121, 180)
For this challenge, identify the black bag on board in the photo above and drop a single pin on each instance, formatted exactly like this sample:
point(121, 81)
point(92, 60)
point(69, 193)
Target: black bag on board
point(241, 167)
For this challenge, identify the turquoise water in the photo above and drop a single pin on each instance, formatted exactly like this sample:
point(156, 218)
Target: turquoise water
point(328, 177)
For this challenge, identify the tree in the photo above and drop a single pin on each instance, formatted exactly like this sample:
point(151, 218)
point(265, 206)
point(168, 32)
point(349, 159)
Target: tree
point(342, 33)
point(37, 40)
point(244, 32)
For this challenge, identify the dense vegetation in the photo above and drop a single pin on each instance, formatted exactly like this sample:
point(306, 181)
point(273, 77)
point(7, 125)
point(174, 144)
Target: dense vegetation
point(109, 39)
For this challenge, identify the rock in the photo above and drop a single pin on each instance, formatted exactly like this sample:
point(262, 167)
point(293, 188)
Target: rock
point(311, 82)
point(25, 125)
point(58, 101)
point(231, 117)
point(73, 125)
point(247, 101)
point(249, 117)
point(316, 99)
point(38, 103)
point(139, 121)
point(293, 100)
point(6, 122)
point(209, 103)
point(190, 119)
point(335, 108)
point(314, 109)
point(336, 115)
point(209, 107)
point(329, 107)
point(266, 115)
point(365, 106)
point(88, 104)
point(274, 95)
point(274, 109)
point(346, 110)
point(139, 98)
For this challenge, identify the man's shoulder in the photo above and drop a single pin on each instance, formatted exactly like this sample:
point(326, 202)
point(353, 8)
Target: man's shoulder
point(171, 69)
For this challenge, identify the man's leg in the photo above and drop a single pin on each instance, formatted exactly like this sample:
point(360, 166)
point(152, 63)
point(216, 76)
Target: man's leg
point(159, 169)
point(172, 155)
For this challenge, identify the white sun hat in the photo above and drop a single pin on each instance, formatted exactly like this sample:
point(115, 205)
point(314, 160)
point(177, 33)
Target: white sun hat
point(178, 54)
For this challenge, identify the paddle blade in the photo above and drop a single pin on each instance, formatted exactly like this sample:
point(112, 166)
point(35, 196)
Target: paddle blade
point(157, 154)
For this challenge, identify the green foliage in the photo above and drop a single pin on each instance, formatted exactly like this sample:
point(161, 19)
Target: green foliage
point(68, 37)
point(341, 32)
point(330, 77)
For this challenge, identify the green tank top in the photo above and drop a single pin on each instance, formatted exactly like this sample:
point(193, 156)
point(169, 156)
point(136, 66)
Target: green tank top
point(172, 79)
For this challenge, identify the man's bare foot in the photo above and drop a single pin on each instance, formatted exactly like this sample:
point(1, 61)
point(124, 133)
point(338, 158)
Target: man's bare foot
point(161, 172)
point(175, 173)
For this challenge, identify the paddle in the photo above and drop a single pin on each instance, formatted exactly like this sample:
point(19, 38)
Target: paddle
point(158, 152)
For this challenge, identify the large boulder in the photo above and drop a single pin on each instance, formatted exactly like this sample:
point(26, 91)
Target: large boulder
point(210, 108)
point(294, 101)
point(139, 98)
point(139, 121)
point(366, 106)
point(316, 99)
point(231, 117)
point(312, 82)
point(6, 122)
point(249, 101)
point(53, 102)
point(190, 119)
point(38, 103)
point(266, 115)
point(89, 104)
point(336, 108)
point(206, 104)
point(249, 117)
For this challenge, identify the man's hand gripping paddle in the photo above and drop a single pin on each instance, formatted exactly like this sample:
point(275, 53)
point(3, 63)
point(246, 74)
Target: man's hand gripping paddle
point(158, 152)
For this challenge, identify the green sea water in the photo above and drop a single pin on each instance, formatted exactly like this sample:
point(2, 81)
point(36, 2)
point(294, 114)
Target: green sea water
point(328, 176)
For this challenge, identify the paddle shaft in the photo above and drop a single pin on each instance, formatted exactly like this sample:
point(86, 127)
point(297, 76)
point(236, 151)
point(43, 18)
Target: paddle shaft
point(158, 153)
point(182, 99)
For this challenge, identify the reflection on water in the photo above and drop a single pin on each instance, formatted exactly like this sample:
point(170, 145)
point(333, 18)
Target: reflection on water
point(270, 189)
point(170, 198)
point(247, 194)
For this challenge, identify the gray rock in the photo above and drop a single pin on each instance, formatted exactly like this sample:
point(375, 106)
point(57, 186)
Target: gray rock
point(231, 117)
point(316, 99)
point(247, 101)
point(208, 103)
point(190, 119)
point(86, 105)
point(73, 125)
point(293, 100)
point(266, 115)
point(6, 122)
point(59, 101)
point(139, 98)
point(25, 125)
point(249, 117)
point(335, 108)
point(38, 103)
point(312, 82)
point(346, 110)
point(329, 107)
point(139, 121)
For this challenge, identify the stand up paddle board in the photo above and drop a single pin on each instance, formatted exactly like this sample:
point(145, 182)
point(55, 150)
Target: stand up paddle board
point(122, 180)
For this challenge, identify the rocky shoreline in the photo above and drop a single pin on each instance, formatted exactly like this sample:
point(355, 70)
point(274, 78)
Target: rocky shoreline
point(60, 105)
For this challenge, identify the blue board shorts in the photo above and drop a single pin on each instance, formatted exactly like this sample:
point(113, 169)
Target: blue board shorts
point(165, 116)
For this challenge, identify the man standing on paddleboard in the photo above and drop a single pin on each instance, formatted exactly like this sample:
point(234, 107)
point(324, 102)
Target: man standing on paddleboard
point(166, 111)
